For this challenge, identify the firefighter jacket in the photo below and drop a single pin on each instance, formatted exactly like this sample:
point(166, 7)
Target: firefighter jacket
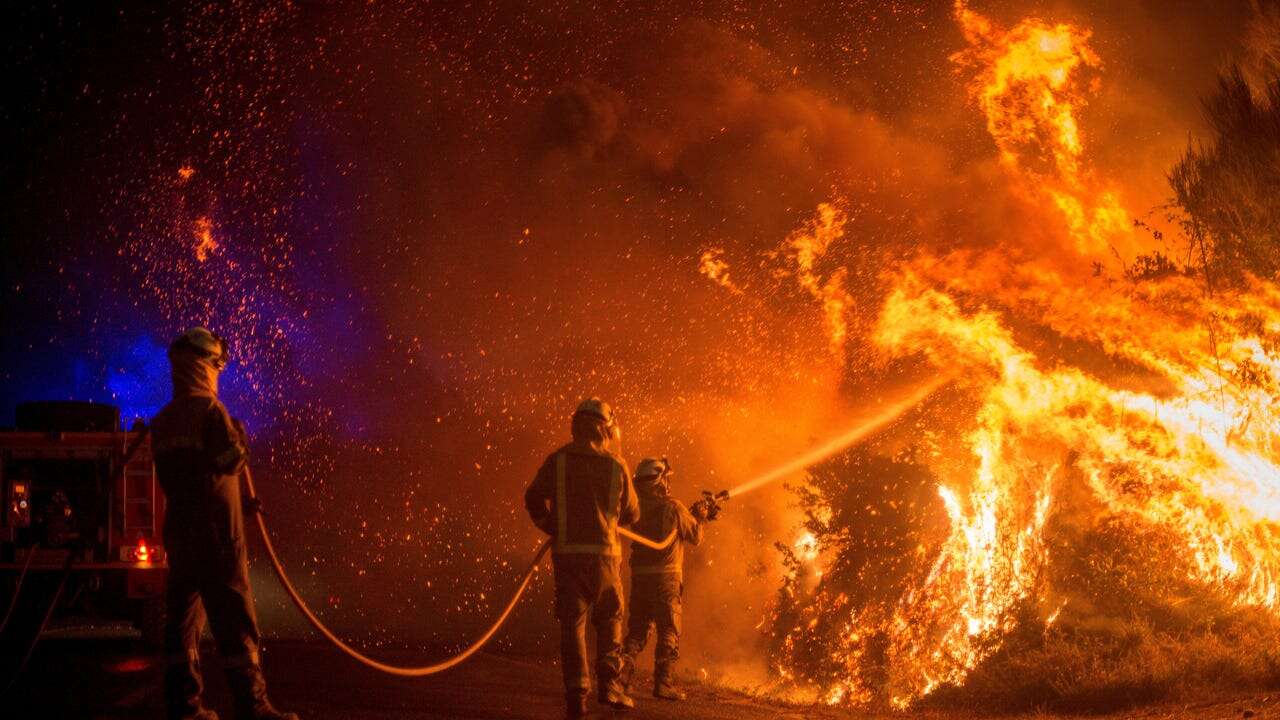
point(659, 515)
point(193, 438)
point(195, 441)
point(580, 496)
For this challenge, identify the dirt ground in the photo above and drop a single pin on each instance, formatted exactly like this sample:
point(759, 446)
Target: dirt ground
point(105, 675)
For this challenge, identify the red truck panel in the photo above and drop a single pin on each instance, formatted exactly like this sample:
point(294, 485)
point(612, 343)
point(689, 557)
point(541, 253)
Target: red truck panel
point(137, 505)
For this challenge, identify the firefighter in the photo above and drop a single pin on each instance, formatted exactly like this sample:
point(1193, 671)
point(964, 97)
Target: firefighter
point(199, 454)
point(657, 576)
point(579, 497)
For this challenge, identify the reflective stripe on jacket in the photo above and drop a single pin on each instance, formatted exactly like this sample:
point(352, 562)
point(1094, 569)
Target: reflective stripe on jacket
point(580, 496)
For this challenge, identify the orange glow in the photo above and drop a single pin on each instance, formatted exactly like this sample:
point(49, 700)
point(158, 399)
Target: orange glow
point(856, 432)
point(805, 248)
point(712, 265)
point(206, 245)
point(131, 665)
point(1027, 82)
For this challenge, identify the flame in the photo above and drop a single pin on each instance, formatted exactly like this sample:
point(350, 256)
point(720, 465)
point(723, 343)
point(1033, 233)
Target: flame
point(1186, 444)
point(803, 255)
point(1173, 463)
point(1027, 82)
point(807, 246)
point(205, 243)
point(1180, 461)
point(712, 265)
point(806, 546)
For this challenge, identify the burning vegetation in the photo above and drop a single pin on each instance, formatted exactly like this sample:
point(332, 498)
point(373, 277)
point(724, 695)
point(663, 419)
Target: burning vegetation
point(1089, 517)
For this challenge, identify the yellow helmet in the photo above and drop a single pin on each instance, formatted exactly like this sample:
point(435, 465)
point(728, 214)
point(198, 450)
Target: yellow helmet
point(204, 343)
point(652, 469)
point(597, 408)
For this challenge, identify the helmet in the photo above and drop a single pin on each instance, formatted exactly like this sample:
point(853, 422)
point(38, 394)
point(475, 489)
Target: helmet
point(652, 469)
point(204, 344)
point(597, 408)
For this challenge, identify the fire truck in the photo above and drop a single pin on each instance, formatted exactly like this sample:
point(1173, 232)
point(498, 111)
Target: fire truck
point(81, 497)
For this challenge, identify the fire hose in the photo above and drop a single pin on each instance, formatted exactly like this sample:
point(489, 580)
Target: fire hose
point(845, 440)
point(354, 654)
point(418, 670)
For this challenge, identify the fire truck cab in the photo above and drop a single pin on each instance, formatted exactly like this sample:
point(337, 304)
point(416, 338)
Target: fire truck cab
point(70, 495)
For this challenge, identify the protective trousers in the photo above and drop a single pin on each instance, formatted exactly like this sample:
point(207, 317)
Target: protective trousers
point(589, 585)
point(209, 574)
point(655, 600)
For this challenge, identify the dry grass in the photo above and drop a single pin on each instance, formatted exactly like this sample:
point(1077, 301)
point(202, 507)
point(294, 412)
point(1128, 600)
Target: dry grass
point(1104, 665)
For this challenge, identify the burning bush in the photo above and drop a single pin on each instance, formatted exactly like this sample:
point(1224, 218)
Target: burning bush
point(1115, 615)
point(1229, 188)
point(873, 517)
point(1090, 518)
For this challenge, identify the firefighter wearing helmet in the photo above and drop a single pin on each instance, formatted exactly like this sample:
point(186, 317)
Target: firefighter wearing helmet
point(579, 497)
point(657, 577)
point(200, 452)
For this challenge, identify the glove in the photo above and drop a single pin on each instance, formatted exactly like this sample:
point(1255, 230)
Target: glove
point(244, 434)
point(546, 524)
point(251, 505)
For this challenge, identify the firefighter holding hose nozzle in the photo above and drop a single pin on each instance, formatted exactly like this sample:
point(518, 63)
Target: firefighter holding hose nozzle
point(200, 453)
point(579, 497)
point(657, 584)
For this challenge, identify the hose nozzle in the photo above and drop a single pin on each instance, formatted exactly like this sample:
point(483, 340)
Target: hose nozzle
point(709, 507)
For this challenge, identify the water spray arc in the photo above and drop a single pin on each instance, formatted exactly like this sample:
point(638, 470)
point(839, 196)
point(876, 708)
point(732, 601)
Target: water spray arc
point(841, 442)
point(844, 440)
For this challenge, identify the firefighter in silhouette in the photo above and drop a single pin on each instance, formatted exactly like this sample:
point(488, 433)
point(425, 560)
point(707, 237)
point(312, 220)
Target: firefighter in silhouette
point(199, 454)
point(657, 576)
point(579, 497)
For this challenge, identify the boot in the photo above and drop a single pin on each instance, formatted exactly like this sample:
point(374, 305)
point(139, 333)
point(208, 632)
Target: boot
point(669, 692)
point(575, 705)
point(613, 695)
point(182, 686)
point(627, 674)
point(664, 685)
point(249, 692)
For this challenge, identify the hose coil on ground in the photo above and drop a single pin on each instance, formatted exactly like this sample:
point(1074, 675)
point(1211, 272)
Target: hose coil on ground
point(412, 670)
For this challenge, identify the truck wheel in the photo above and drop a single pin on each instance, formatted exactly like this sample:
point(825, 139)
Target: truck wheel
point(151, 622)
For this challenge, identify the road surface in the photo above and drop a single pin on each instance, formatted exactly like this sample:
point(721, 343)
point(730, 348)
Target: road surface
point(105, 674)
